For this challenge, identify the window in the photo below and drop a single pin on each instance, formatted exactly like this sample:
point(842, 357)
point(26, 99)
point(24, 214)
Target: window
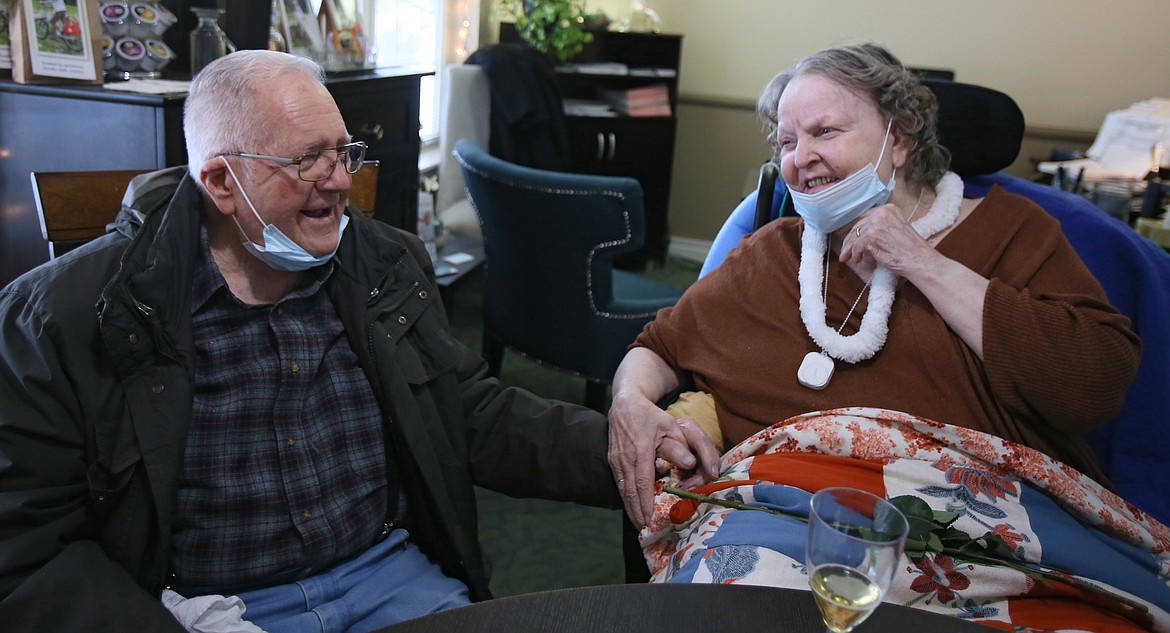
point(423, 32)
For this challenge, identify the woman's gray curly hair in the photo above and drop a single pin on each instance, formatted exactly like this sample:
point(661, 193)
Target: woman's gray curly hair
point(873, 71)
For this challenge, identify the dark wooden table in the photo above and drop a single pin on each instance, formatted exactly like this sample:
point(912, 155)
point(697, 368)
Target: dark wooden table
point(668, 609)
point(449, 273)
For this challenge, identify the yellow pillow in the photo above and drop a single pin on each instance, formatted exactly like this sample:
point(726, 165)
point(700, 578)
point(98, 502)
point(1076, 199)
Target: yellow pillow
point(700, 407)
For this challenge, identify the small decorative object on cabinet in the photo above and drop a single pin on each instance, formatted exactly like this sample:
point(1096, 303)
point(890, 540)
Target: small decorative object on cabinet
point(553, 27)
point(208, 41)
point(132, 39)
point(605, 142)
point(640, 19)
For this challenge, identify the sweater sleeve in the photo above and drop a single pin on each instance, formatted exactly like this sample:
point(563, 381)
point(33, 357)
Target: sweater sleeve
point(1053, 346)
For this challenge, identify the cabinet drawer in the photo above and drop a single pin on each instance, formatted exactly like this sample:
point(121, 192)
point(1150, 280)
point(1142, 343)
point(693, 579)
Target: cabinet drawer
point(612, 145)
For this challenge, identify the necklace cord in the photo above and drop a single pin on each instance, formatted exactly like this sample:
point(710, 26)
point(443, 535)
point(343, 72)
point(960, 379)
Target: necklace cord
point(825, 291)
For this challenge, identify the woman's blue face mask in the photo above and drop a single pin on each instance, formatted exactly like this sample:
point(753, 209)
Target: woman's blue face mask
point(280, 251)
point(834, 207)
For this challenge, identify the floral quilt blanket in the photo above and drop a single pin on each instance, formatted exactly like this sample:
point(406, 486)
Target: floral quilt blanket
point(1107, 564)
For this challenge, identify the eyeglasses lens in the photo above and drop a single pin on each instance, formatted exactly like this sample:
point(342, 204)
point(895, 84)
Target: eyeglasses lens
point(317, 166)
point(355, 155)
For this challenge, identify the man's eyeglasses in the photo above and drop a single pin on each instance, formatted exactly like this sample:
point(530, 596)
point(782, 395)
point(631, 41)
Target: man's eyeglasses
point(318, 165)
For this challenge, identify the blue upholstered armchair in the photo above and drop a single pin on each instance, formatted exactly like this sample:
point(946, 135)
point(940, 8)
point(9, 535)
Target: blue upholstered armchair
point(550, 289)
point(1134, 447)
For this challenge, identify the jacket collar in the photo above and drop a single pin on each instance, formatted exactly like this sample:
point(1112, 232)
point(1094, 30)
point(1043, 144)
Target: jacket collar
point(163, 213)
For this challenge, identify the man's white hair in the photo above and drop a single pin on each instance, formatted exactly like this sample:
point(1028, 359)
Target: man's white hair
point(220, 113)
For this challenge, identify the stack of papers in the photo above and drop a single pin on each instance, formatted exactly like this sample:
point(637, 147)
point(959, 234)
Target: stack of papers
point(1133, 141)
point(653, 72)
point(1094, 171)
point(149, 86)
point(587, 107)
point(599, 68)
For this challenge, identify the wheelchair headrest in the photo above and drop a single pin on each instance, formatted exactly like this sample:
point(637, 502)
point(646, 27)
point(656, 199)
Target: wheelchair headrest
point(983, 128)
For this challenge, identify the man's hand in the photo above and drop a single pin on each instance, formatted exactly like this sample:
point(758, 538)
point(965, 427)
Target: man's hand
point(640, 433)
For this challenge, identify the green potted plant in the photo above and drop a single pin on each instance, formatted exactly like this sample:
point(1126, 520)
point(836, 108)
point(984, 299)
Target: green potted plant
point(553, 27)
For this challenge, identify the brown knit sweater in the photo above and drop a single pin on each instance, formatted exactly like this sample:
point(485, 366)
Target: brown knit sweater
point(1057, 357)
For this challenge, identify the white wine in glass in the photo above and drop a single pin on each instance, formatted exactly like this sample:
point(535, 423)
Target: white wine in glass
point(854, 542)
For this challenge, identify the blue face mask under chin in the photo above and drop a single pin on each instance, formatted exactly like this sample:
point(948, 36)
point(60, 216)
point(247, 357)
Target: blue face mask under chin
point(832, 208)
point(279, 251)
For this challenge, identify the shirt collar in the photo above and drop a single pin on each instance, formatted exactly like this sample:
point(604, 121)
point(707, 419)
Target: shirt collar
point(209, 281)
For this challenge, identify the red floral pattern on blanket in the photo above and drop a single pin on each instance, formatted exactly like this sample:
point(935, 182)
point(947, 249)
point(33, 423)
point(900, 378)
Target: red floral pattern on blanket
point(1037, 505)
point(939, 577)
point(895, 434)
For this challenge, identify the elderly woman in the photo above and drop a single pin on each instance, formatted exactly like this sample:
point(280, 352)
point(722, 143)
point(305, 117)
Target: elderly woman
point(889, 291)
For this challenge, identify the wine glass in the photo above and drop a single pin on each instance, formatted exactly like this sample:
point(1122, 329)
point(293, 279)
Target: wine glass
point(854, 542)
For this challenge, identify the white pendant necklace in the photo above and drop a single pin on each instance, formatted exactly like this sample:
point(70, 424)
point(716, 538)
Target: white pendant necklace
point(817, 368)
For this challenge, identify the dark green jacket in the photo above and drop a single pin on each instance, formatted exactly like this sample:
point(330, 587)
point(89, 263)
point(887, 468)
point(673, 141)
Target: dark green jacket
point(96, 367)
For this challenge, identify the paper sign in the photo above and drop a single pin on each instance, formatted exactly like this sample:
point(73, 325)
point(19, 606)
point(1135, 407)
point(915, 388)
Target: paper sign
point(59, 35)
point(62, 44)
point(1129, 140)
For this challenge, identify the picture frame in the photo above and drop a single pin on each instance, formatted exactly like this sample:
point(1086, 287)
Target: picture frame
point(302, 33)
point(346, 45)
point(5, 48)
point(55, 41)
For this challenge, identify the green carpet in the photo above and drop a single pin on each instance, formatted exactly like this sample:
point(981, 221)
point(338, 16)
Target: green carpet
point(533, 544)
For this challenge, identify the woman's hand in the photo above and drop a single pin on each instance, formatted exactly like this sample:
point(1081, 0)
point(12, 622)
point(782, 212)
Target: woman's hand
point(640, 433)
point(882, 236)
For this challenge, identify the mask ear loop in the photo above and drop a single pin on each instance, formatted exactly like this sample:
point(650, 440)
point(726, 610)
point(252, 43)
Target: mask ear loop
point(248, 200)
point(253, 207)
point(881, 154)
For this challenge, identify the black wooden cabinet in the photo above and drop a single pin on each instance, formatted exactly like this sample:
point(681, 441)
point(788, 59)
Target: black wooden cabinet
point(77, 128)
point(639, 147)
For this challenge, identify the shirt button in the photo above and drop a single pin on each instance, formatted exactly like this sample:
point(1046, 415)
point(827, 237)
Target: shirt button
point(402, 320)
point(290, 441)
point(306, 515)
point(295, 367)
point(157, 389)
point(133, 338)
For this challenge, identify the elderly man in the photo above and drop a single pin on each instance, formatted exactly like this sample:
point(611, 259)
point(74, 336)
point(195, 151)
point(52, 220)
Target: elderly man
point(247, 392)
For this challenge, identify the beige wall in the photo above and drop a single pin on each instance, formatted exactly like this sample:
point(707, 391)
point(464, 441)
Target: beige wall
point(1066, 62)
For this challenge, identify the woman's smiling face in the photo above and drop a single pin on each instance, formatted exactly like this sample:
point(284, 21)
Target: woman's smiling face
point(825, 132)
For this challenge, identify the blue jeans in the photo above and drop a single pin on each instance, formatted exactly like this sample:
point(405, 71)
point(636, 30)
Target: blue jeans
point(390, 582)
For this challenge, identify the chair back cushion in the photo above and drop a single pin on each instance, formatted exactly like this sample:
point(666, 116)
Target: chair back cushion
point(77, 206)
point(550, 239)
point(982, 128)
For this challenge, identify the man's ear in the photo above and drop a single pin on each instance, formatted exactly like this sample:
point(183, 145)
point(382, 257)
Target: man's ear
point(218, 184)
